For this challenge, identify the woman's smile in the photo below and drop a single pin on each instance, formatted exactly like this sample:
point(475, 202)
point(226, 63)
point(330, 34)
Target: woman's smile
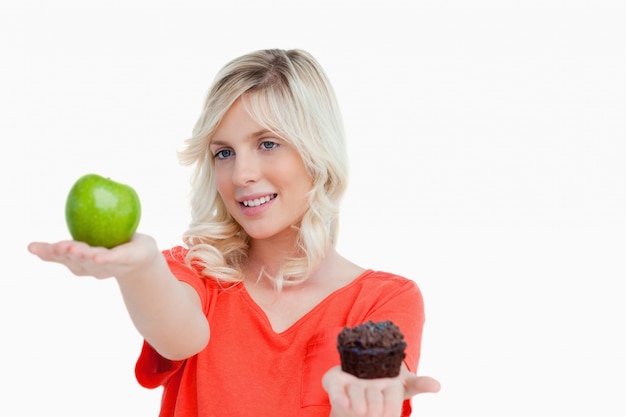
point(255, 202)
point(257, 206)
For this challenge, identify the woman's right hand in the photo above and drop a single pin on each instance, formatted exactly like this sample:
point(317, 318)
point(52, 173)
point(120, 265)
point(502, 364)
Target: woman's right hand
point(84, 260)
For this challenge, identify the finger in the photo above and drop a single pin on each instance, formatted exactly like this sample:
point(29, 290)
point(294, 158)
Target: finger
point(421, 385)
point(36, 247)
point(48, 251)
point(41, 249)
point(375, 401)
point(393, 399)
point(332, 383)
point(358, 399)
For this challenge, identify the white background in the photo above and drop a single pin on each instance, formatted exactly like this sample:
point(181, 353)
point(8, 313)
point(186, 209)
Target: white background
point(488, 149)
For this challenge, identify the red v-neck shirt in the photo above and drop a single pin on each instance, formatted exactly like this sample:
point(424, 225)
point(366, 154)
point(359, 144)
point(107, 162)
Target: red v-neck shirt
point(247, 369)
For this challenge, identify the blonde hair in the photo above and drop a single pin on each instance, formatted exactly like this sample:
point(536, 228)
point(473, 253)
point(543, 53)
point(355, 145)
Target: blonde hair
point(288, 93)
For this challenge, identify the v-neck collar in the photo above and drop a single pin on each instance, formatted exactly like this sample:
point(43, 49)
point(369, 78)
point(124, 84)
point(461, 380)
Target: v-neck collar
point(296, 324)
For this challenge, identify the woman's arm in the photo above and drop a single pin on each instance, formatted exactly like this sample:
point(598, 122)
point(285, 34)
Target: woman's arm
point(166, 312)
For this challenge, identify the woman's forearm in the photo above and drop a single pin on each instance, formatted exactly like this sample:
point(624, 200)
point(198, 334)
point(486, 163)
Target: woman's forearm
point(165, 311)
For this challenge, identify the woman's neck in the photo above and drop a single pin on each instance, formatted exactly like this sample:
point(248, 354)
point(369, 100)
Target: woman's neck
point(270, 255)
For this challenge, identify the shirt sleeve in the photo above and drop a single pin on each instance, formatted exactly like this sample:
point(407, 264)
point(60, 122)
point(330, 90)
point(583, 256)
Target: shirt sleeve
point(175, 258)
point(400, 300)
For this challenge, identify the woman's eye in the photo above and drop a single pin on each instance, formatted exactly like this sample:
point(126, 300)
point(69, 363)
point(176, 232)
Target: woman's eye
point(223, 154)
point(267, 145)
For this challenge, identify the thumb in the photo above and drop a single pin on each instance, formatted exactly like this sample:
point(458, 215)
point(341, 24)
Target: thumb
point(421, 385)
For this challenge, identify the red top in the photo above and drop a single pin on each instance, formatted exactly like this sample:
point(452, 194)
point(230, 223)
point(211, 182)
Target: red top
point(247, 369)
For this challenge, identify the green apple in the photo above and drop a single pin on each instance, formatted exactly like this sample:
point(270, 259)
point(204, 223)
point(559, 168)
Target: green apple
point(102, 212)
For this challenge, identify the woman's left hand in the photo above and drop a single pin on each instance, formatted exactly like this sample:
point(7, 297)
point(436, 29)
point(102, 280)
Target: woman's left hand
point(351, 396)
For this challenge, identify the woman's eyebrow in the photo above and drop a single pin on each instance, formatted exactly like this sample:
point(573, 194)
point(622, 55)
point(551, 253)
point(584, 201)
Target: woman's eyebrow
point(254, 135)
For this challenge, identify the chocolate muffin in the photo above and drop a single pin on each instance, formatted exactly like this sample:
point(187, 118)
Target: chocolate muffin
point(372, 350)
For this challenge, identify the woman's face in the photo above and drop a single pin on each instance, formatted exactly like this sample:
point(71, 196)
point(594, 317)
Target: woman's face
point(261, 178)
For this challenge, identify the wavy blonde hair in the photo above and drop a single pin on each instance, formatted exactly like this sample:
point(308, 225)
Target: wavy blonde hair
point(288, 93)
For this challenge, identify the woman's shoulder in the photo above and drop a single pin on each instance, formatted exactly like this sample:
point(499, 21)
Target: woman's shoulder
point(184, 270)
point(176, 254)
point(382, 286)
point(378, 278)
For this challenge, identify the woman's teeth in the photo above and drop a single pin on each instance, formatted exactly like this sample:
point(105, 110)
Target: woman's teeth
point(258, 201)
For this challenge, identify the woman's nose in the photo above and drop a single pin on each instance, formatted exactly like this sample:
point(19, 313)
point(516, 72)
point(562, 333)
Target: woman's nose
point(246, 169)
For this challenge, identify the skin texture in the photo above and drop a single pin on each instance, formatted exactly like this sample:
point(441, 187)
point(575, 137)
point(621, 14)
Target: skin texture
point(250, 163)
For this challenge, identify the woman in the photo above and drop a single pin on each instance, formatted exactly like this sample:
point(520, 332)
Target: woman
point(243, 319)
